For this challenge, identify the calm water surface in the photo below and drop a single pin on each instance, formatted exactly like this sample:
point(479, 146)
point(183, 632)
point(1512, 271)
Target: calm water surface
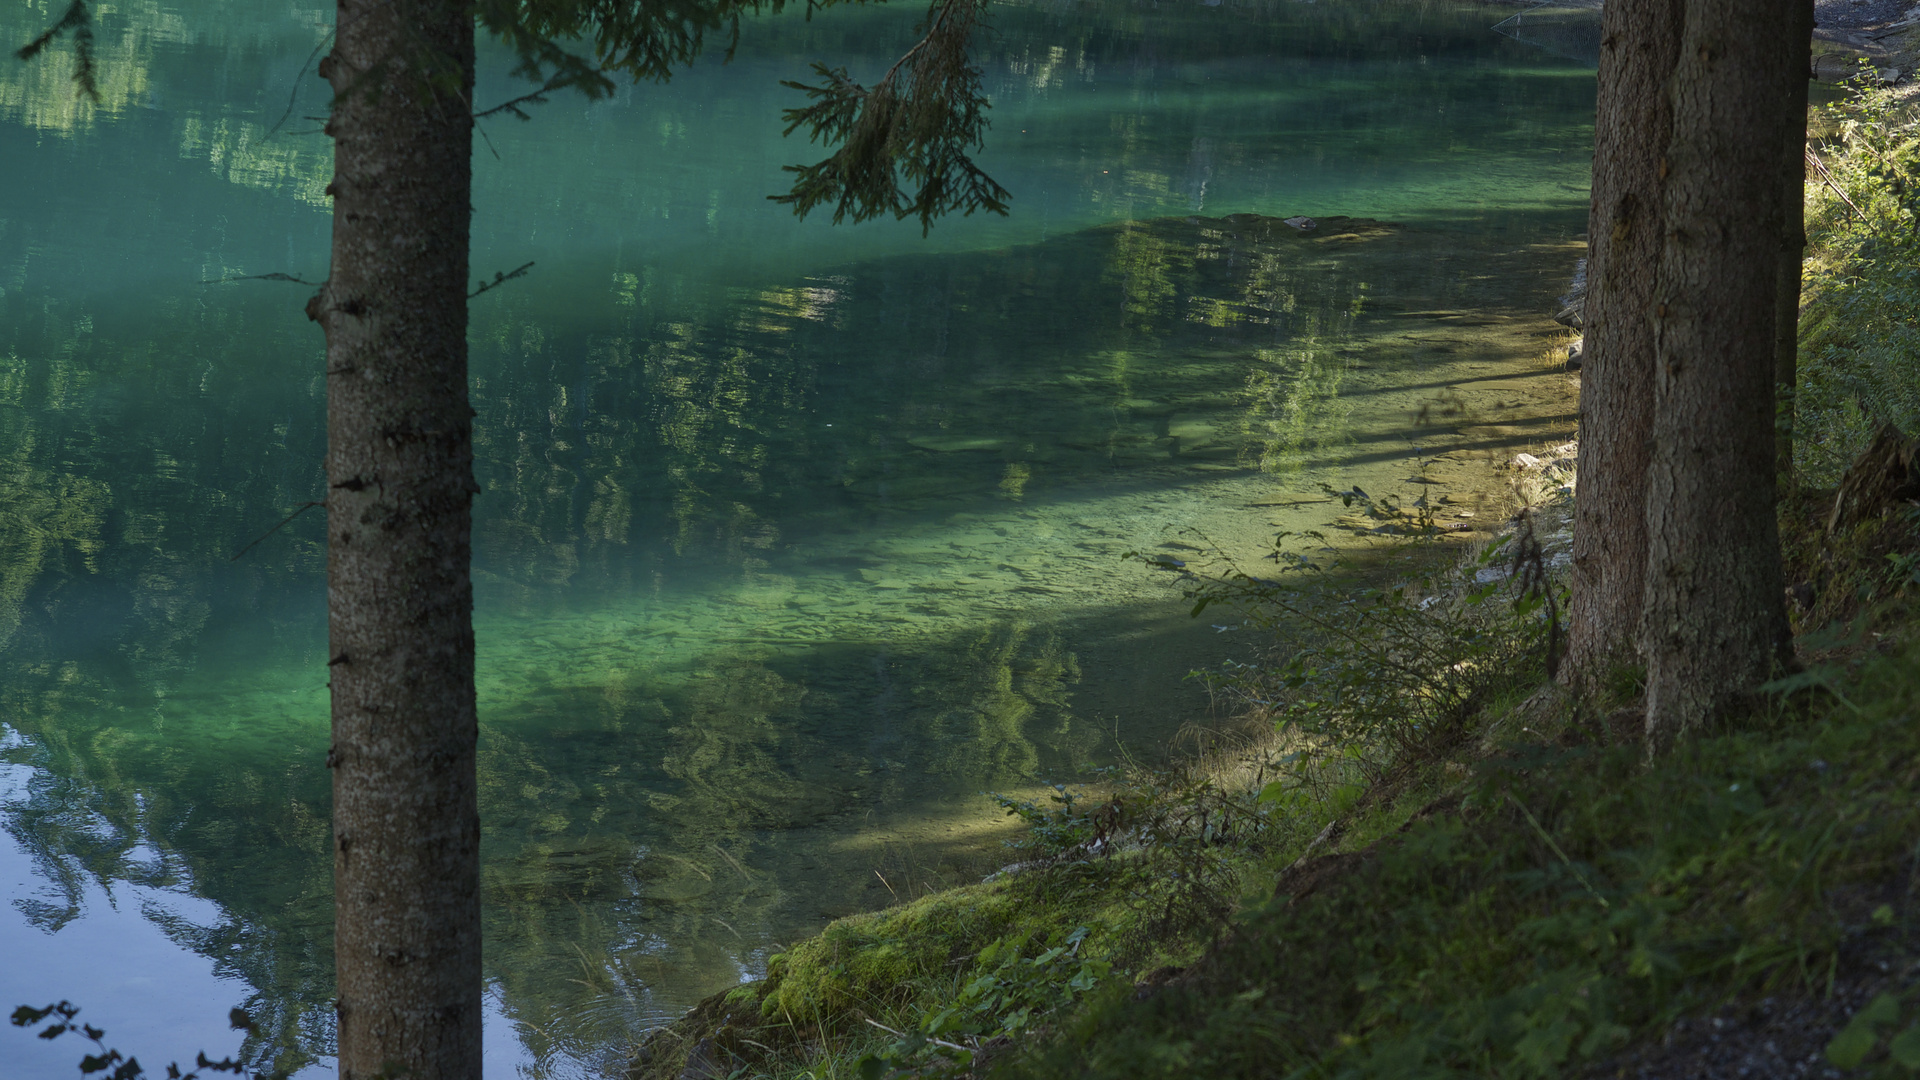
point(794, 539)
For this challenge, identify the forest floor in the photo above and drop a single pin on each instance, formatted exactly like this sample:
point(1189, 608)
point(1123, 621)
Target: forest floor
point(1412, 855)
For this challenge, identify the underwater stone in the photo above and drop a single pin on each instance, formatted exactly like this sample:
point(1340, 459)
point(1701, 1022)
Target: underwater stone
point(956, 444)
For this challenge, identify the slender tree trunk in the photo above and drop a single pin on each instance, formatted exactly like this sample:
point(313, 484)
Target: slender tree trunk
point(1715, 620)
point(1640, 41)
point(1793, 253)
point(1786, 357)
point(400, 603)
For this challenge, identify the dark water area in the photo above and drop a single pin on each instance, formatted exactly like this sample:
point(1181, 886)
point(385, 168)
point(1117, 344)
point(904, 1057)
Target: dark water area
point(793, 538)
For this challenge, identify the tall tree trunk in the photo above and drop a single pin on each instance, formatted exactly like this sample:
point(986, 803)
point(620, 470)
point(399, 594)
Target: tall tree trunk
point(1715, 620)
point(1793, 253)
point(1640, 41)
point(400, 486)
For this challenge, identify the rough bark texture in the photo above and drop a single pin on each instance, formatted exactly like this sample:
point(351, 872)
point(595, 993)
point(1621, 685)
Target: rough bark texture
point(1793, 253)
point(1632, 124)
point(400, 480)
point(1715, 619)
point(1786, 351)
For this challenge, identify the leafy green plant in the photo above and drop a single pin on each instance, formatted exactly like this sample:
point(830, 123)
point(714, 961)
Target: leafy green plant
point(1875, 1027)
point(1053, 832)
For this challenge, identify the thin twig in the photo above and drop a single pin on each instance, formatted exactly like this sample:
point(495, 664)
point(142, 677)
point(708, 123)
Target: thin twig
point(1828, 177)
point(293, 95)
point(284, 522)
point(901, 1035)
point(263, 277)
point(1582, 878)
point(1330, 833)
point(933, 27)
point(1530, 570)
point(500, 279)
point(538, 97)
point(718, 850)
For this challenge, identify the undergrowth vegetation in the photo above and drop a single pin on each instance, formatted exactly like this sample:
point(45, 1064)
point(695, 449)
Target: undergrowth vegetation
point(1394, 674)
point(1567, 899)
point(1860, 327)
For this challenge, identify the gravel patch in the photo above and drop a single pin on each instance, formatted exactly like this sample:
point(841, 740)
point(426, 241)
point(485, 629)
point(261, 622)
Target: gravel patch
point(1782, 1036)
point(1859, 14)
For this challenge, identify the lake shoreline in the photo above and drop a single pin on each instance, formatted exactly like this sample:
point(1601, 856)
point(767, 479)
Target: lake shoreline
point(722, 1030)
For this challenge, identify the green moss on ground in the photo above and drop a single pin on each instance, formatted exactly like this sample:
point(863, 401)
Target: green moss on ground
point(877, 963)
point(831, 999)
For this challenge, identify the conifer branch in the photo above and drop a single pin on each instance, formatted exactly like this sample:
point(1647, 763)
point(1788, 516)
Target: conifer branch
point(80, 21)
point(913, 129)
point(903, 144)
point(644, 39)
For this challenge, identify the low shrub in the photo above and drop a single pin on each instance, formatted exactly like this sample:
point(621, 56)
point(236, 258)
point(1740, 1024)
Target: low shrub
point(1388, 676)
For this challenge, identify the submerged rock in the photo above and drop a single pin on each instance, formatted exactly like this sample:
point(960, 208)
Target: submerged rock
point(1258, 227)
point(1573, 306)
point(956, 444)
point(1191, 432)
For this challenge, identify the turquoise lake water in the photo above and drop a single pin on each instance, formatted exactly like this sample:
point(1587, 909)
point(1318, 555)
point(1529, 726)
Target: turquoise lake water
point(793, 539)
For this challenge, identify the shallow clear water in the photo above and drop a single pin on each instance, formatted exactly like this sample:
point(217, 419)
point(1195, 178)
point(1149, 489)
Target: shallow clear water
point(794, 539)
